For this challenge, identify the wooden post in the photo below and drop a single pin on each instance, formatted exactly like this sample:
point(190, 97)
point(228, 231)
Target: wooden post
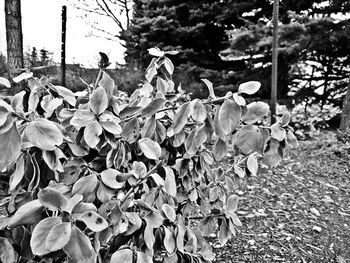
point(274, 61)
point(63, 46)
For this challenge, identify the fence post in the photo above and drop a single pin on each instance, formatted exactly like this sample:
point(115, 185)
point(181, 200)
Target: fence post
point(63, 46)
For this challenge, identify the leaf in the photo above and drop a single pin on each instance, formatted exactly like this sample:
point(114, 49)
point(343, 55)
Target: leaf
point(58, 236)
point(28, 213)
point(199, 112)
point(94, 221)
point(224, 233)
point(3, 115)
point(18, 174)
point(220, 150)
point(255, 112)
point(229, 116)
point(169, 241)
point(92, 133)
point(273, 156)
point(146, 90)
point(170, 182)
point(11, 145)
point(249, 87)
point(131, 130)
point(231, 204)
point(169, 212)
point(181, 116)
point(278, 132)
point(156, 52)
point(52, 198)
point(72, 202)
point(214, 194)
point(151, 71)
point(149, 127)
point(7, 253)
point(52, 106)
point(169, 66)
point(150, 148)
point(122, 255)
point(85, 185)
point(66, 94)
point(252, 164)
point(44, 134)
point(139, 169)
point(40, 233)
point(285, 119)
point(79, 248)
point(239, 99)
point(23, 76)
point(108, 84)
point(109, 178)
point(17, 101)
point(210, 88)
point(153, 107)
point(98, 101)
point(143, 258)
point(82, 118)
point(5, 82)
point(249, 139)
point(291, 139)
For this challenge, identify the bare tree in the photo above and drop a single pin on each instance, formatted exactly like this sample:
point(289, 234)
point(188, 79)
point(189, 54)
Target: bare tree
point(14, 37)
point(118, 11)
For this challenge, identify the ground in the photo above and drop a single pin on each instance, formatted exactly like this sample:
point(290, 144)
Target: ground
point(300, 211)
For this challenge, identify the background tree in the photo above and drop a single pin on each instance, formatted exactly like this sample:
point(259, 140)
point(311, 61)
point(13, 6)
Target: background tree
point(14, 37)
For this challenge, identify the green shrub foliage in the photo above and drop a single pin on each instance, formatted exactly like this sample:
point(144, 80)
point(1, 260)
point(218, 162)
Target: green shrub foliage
point(96, 176)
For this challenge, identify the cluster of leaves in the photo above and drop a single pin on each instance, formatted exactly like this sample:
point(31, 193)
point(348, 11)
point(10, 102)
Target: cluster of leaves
point(96, 176)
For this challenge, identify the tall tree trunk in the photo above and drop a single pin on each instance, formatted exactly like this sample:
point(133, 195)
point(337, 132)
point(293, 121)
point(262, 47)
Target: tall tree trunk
point(14, 38)
point(274, 73)
point(345, 115)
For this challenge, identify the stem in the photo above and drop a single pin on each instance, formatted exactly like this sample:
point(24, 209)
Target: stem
point(98, 78)
point(20, 117)
point(141, 181)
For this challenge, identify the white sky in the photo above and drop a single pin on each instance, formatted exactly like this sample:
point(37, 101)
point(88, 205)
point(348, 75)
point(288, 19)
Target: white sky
point(41, 25)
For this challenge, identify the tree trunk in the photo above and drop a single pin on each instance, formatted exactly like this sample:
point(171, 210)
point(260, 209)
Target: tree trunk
point(14, 39)
point(345, 115)
point(274, 72)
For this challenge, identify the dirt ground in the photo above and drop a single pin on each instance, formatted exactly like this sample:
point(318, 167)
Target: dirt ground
point(300, 211)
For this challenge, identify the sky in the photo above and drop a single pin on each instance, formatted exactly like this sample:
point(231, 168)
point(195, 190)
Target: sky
point(41, 26)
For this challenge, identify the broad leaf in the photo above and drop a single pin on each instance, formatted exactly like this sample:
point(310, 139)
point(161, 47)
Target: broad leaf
point(18, 174)
point(17, 101)
point(231, 204)
point(169, 241)
point(44, 134)
point(229, 116)
point(3, 115)
point(153, 107)
point(22, 76)
point(122, 255)
point(85, 186)
point(150, 148)
point(28, 213)
point(40, 234)
point(169, 66)
point(143, 258)
point(273, 155)
point(210, 88)
point(170, 182)
point(139, 169)
point(285, 119)
point(256, 111)
point(5, 82)
point(7, 253)
point(199, 112)
point(249, 139)
point(169, 212)
point(155, 51)
point(92, 133)
point(108, 84)
point(109, 178)
point(181, 116)
point(249, 87)
point(58, 236)
point(66, 94)
point(278, 132)
point(94, 221)
point(291, 139)
point(11, 145)
point(220, 150)
point(99, 101)
point(82, 118)
point(252, 164)
point(110, 123)
point(79, 248)
point(52, 198)
point(224, 233)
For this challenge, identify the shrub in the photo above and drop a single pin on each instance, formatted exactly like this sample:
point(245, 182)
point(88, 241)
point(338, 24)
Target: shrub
point(95, 176)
